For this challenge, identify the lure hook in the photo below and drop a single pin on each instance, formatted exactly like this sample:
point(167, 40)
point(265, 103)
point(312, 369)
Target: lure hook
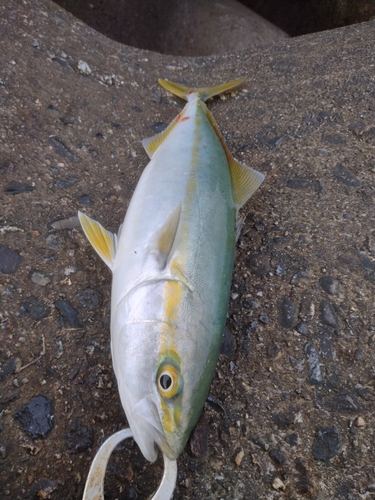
point(94, 488)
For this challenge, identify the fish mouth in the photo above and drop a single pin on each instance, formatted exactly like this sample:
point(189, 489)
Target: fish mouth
point(145, 424)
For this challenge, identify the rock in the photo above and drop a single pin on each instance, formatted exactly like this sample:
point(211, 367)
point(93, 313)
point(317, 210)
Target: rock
point(40, 279)
point(301, 328)
point(89, 298)
point(55, 242)
point(227, 345)
point(239, 457)
point(79, 437)
point(35, 308)
point(84, 68)
point(15, 187)
point(278, 457)
point(85, 199)
point(10, 367)
point(328, 443)
point(315, 373)
point(287, 313)
point(129, 494)
point(329, 284)
point(37, 417)
point(345, 176)
point(69, 313)
point(9, 260)
point(359, 422)
point(328, 315)
point(263, 318)
point(292, 439)
point(43, 489)
point(277, 484)
point(63, 150)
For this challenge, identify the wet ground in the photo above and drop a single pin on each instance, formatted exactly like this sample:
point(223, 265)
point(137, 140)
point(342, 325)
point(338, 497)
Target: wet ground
point(291, 409)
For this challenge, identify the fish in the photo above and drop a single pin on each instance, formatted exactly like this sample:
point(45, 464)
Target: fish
point(172, 261)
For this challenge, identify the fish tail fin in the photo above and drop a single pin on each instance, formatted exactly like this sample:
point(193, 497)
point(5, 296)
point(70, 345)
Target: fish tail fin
point(203, 93)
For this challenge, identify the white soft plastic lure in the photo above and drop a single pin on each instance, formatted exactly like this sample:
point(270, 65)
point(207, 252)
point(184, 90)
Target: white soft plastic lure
point(172, 263)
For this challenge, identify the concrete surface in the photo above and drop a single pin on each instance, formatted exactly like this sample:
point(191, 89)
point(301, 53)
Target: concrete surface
point(291, 410)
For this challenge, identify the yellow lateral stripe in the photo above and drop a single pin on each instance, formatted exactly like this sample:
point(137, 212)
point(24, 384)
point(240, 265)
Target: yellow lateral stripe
point(203, 93)
point(103, 241)
point(245, 180)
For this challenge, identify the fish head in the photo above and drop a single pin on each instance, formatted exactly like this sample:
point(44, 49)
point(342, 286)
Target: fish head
point(154, 391)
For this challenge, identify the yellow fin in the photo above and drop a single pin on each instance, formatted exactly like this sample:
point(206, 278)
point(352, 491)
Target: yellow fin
point(203, 93)
point(162, 242)
point(245, 181)
point(103, 242)
point(152, 144)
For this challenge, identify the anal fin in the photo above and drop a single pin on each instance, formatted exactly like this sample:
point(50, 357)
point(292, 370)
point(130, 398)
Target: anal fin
point(104, 242)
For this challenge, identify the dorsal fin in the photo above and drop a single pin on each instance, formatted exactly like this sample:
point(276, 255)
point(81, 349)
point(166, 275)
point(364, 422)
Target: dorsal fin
point(103, 241)
point(152, 144)
point(161, 243)
point(245, 180)
point(203, 93)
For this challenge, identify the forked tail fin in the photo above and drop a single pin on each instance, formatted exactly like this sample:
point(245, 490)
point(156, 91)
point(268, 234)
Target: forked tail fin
point(204, 93)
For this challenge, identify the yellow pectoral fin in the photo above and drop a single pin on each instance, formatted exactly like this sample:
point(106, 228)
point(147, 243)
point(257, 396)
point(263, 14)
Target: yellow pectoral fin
point(203, 93)
point(103, 241)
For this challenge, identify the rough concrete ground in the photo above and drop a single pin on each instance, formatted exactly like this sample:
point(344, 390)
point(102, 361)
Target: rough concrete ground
point(291, 410)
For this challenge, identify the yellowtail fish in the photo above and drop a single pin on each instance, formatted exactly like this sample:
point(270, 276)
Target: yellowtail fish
point(172, 262)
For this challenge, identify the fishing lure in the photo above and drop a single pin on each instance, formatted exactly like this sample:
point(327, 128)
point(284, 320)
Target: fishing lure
point(172, 262)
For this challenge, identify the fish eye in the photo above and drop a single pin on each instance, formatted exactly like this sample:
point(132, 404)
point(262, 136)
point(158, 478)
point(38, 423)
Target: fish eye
point(168, 381)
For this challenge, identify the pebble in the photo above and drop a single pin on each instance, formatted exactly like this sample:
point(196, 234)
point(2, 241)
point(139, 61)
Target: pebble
point(158, 127)
point(79, 437)
point(63, 150)
point(287, 313)
point(69, 223)
point(277, 484)
point(15, 187)
point(9, 260)
point(292, 439)
point(328, 443)
point(278, 457)
point(263, 318)
point(329, 284)
point(227, 347)
point(37, 417)
point(301, 328)
point(89, 298)
point(84, 68)
point(40, 279)
point(359, 422)
point(69, 313)
point(85, 200)
point(345, 176)
point(35, 308)
point(315, 373)
point(12, 366)
point(129, 494)
point(328, 315)
point(43, 489)
point(239, 457)
point(55, 242)
point(326, 348)
point(3, 452)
